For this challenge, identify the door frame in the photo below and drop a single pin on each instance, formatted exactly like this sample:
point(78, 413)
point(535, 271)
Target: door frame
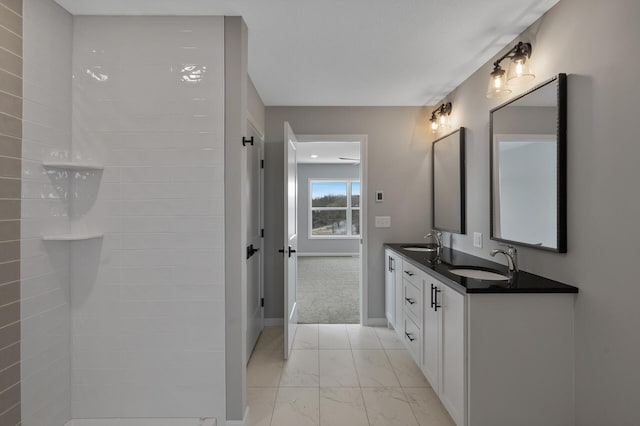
point(364, 187)
point(252, 130)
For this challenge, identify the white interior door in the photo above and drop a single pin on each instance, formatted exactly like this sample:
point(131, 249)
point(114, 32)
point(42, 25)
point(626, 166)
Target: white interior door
point(290, 241)
point(253, 201)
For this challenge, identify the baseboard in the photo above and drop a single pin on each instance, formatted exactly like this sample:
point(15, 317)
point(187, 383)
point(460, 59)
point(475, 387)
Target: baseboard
point(329, 254)
point(376, 322)
point(273, 322)
point(242, 422)
point(146, 422)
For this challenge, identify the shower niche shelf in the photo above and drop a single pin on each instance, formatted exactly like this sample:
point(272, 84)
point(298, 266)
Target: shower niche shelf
point(72, 165)
point(73, 236)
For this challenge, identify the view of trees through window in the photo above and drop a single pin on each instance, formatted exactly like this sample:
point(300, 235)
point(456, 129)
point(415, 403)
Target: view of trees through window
point(335, 208)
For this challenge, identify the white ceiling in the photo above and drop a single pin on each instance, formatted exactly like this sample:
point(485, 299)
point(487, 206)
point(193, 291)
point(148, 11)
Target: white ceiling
point(328, 152)
point(355, 52)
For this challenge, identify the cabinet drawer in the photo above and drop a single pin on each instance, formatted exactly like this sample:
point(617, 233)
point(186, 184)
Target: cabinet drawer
point(412, 300)
point(412, 338)
point(412, 274)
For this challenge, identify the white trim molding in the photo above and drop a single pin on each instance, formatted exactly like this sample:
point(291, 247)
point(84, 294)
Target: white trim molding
point(329, 254)
point(242, 422)
point(376, 322)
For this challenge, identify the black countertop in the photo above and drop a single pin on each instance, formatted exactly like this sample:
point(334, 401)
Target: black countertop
point(522, 282)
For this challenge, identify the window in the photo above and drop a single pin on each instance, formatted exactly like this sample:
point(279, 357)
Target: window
point(334, 210)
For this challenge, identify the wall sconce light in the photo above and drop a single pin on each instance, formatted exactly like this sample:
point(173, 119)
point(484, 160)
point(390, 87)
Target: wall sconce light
point(519, 71)
point(440, 117)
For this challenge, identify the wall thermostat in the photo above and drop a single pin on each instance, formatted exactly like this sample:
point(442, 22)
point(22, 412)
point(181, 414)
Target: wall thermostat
point(379, 197)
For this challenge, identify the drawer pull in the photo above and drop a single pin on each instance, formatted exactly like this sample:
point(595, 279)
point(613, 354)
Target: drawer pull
point(411, 339)
point(410, 300)
point(409, 273)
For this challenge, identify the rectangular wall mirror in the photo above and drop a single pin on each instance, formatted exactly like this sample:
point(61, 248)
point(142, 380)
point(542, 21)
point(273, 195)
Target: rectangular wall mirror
point(528, 168)
point(448, 180)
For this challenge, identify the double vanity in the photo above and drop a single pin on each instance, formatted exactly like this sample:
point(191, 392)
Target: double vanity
point(496, 347)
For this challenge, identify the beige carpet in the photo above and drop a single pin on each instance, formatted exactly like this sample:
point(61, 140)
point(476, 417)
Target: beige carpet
point(328, 290)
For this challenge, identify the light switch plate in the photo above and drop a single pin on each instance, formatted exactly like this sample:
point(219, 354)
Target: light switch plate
point(379, 196)
point(383, 221)
point(477, 239)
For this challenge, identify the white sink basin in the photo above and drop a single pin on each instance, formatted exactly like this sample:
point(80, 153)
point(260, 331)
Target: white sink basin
point(479, 274)
point(419, 248)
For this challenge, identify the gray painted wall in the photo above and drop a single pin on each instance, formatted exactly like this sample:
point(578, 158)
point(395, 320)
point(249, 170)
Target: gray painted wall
point(398, 150)
point(583, 38)
point(307, 172)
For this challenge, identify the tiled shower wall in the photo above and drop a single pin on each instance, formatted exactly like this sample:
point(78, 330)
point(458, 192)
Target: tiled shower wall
point(10, 154)
point(148, 299)
point(46, 312)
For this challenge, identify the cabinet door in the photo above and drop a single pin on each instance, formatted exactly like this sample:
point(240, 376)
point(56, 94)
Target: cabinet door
point(431, 333)
point(389, 289)
point(397, 271)
point(452, 354)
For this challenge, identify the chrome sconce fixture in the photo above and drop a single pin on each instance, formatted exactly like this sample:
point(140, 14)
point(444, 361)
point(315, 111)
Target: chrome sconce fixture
point(440, 117)
point(519, 71)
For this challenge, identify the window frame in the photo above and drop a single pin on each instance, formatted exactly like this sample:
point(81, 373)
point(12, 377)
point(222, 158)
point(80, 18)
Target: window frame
point(349, 210)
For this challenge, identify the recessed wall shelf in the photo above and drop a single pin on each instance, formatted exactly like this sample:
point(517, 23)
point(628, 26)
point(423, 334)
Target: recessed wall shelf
point(72, 237)
point(72, 165)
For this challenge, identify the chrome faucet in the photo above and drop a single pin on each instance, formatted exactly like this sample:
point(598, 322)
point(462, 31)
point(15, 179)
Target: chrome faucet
point(437, 236)
point(512, 258)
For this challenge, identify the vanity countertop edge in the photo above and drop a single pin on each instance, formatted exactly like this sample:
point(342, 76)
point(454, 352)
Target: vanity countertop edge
point(524, 282)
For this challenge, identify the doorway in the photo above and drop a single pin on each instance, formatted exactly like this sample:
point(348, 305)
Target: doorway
point(331, 215)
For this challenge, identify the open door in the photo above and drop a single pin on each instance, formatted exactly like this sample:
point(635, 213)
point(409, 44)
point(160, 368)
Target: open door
point(290, 246)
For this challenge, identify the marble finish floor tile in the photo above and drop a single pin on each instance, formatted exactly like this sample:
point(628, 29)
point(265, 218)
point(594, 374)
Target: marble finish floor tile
point(337, 369)
point(333, 336)
point(261, 402)
point(427, 408)
point(388, 338)
point(264, 369)
point(342, 407)
point(388, 407)
point(306, 337)
point(340, 385)
point(271, 339)
point(301, 369)
point(374, 369)
point(363, 337)
point(297, 407)
point(406, 369)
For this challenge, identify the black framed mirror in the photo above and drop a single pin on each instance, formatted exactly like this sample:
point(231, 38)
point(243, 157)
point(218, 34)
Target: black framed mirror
point(448, 196)
point(528, 163)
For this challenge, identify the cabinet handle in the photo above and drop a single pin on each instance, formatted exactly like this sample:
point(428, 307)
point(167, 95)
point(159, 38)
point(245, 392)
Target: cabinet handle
point(409, 273)
point(435, 302)
point(411, 339)
point(391, 261)
point(432, 288)
point(410, 300)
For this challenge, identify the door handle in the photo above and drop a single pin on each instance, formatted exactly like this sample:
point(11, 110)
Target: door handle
point(411, 339)
point(291, 251)
point(410, 300)
point(251, 251)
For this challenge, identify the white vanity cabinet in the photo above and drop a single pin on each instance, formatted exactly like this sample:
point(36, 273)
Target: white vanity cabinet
point(393, 289)
point(493, 357)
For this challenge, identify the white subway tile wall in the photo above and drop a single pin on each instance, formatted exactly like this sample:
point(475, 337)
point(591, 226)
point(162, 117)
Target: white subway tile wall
point(148, 300)
point(46, 312)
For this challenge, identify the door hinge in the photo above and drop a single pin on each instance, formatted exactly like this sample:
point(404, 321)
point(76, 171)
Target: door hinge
point(262, 302)
point(246, 141)
point(262, 232)
point(262, 164)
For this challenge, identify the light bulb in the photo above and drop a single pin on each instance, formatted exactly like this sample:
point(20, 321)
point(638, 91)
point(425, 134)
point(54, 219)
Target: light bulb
point(497, 82)
point(519, 69)
point(434, 125)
